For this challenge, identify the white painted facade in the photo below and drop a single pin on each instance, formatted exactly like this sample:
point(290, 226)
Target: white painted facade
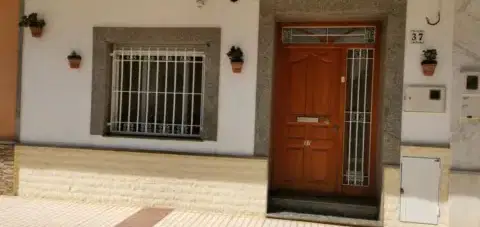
point(56, 100)
point(429, 128)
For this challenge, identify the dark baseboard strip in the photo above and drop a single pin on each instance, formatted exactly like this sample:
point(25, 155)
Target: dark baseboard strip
point(418, 144)
point(139, 150)
point(7, 142)
point(391, 165)
point(465, 171)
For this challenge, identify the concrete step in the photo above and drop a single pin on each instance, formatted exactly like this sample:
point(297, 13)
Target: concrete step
point(324, 219)
point(330, 206)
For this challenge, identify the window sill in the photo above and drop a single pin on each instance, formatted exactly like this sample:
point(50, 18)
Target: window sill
point(164, 138)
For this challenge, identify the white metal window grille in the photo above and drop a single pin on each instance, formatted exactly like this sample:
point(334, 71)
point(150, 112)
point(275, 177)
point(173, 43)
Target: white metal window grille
point(316, 35)
point(157, 92)
point(358, 116)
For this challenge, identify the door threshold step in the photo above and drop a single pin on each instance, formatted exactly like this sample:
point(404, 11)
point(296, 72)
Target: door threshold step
point(325, 219)
point(325, 206)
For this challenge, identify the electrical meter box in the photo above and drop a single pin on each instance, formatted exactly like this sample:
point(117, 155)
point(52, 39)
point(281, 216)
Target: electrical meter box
point(424, 98)
point(471, 107)
point(471, 82)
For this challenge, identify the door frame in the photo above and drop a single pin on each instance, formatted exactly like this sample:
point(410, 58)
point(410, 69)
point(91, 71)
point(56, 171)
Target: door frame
point(347, 190)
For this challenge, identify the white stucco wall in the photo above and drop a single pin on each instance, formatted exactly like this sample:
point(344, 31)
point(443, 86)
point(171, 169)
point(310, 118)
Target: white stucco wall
point(466, 56)
point(56, 100)
point(430, 128)
point(465, 180)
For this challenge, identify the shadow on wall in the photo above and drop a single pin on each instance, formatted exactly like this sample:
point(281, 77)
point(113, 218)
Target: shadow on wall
point(79, 162)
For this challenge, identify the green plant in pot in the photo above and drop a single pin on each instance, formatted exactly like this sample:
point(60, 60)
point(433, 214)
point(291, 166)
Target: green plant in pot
point(429, 62)
point(74, 60)
point(36, 25)
point(236, 59)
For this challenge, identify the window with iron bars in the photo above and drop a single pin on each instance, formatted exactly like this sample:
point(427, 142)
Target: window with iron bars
point(157, 92)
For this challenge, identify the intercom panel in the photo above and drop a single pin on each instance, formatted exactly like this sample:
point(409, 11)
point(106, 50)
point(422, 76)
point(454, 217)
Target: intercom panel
point(471, 107)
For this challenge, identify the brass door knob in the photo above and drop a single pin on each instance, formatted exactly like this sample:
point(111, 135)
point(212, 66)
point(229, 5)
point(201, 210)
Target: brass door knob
point(307, 143)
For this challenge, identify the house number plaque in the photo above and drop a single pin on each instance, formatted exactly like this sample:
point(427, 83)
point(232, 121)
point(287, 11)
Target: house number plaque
point(417, 36)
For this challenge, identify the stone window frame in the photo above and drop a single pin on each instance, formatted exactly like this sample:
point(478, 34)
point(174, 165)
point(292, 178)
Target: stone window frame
point(104, 38)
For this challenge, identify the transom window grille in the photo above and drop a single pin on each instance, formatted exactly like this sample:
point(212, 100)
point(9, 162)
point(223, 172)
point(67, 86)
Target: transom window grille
point(358, 117)
point(157, 92)
point(324, 35)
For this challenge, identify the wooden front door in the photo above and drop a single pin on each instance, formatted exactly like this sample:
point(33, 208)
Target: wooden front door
point(325, 112)
point(308, 120)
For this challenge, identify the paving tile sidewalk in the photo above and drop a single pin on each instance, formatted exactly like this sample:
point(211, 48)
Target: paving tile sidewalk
point(19, 212)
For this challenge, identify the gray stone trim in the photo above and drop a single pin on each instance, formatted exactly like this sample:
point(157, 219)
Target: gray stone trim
point(7, 170)
point(105, 37)
point(391, 12)
point(19, 76)
point(265, 71)
point(392, 67)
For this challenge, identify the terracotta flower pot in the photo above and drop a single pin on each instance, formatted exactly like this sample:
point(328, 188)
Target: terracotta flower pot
point(237, 67)
point(74, 63)
point(36, 31)
point(429, 69)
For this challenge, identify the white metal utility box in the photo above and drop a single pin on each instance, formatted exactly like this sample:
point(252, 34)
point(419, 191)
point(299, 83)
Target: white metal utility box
point(471, 95)
point(424, 98)
point(420, 190)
